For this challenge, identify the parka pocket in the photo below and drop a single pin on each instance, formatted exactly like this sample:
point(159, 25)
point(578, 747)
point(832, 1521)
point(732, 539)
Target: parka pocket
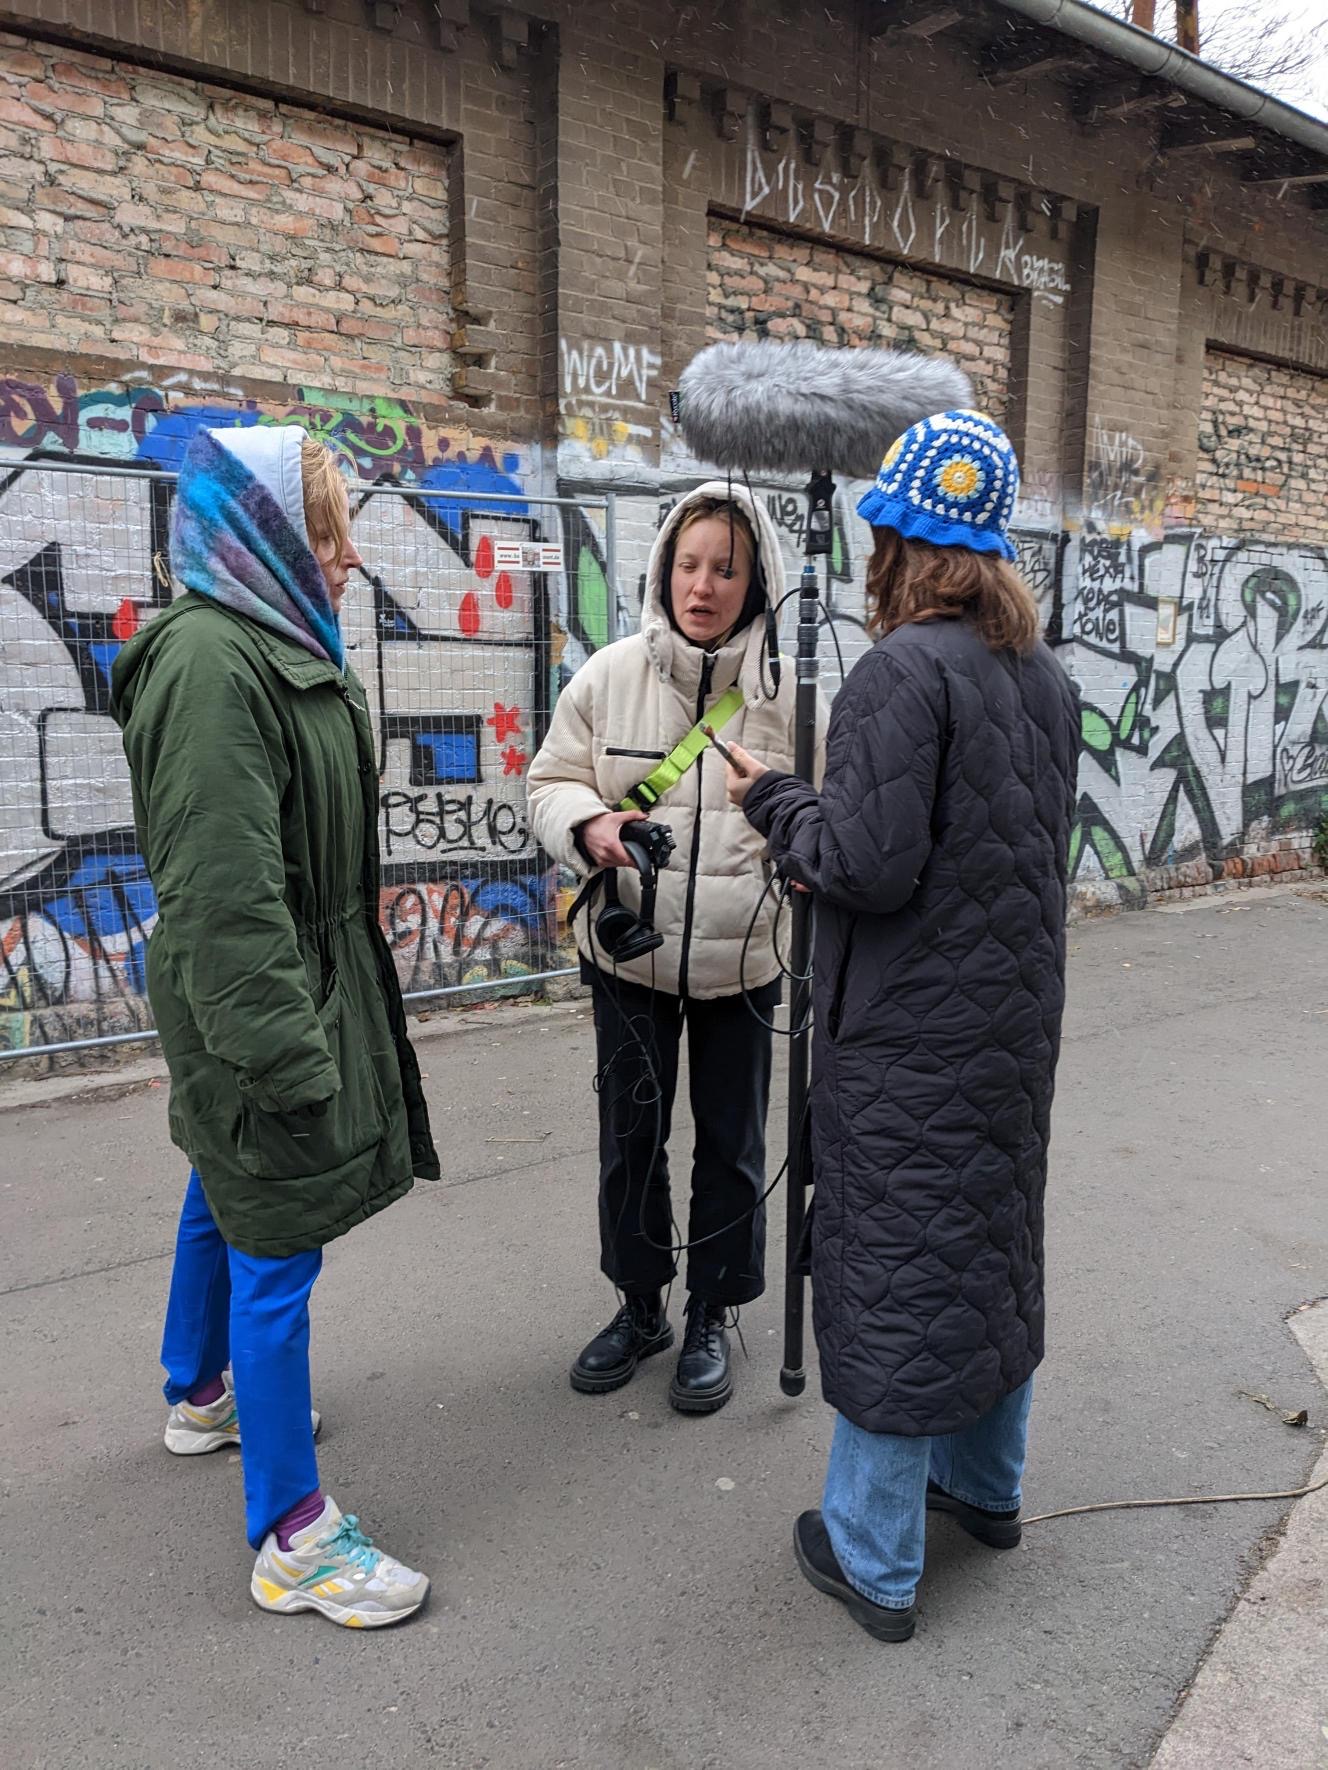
point(298, 1145)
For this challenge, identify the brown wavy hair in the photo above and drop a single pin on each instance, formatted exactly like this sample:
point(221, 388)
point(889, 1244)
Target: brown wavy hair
point(915, 581)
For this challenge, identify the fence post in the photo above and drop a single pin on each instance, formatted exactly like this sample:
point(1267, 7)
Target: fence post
point(611, 564)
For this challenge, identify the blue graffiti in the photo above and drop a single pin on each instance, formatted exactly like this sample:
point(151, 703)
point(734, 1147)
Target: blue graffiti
point(477, 477)
point(165, 444)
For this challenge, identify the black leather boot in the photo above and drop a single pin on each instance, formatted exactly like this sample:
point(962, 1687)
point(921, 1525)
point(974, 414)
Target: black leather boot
point(703, 1382)
point(637, 1331)
point(819, 1563)
point(998, 1530)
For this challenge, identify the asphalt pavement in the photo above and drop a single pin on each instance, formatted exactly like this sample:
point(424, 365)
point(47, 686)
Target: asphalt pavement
point(614, 1587)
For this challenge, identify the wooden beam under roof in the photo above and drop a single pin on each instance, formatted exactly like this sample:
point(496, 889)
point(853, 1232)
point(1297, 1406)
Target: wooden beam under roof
point(1204, 131)
point(1294, 179)
point(914, 18)
point(999, 70)
point(1208, 144)
point(1114, 100)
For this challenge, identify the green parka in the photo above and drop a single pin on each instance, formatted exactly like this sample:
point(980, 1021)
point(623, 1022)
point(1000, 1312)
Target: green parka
point(294, 1088)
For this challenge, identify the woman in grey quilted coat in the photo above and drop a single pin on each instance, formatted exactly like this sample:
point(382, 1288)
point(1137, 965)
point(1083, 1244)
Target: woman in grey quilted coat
point(936, 853)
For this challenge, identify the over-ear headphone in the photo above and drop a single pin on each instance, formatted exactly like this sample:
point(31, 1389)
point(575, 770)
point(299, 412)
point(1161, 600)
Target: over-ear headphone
point(627, 934)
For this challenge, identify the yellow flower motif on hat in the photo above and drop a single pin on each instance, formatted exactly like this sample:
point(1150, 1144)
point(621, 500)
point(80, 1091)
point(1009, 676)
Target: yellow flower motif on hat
point(961, 477)
point(892, 454)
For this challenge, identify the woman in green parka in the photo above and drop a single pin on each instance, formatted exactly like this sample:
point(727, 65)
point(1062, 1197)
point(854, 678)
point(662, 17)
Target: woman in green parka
point(294, 1090)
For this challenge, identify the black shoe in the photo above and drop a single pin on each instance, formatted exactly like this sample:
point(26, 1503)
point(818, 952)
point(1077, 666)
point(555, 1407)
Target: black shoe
point(637, 1331)
point(702, 1382)
point(999, 1530)
point(817, 1559)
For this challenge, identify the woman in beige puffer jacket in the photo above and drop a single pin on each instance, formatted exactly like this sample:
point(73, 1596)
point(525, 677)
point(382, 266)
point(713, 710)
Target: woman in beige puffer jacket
point(714, 571)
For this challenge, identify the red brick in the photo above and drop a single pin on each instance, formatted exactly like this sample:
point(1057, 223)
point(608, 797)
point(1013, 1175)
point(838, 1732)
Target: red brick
point(291, 226)
point(181, 270)
point(13, 110)
point(70, 73)
point(19, 64)
point(67, 202)
point(388, 176)
point(26, 268)
point(381, 330)
point(81, 153)
point(281, 358)
point(46, 98)
point(292, 153)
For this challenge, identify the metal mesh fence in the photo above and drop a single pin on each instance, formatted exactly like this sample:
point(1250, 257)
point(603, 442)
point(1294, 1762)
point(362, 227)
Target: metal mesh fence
point(460, 625)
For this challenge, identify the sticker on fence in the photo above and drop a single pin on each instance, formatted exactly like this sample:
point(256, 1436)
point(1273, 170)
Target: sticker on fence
point(528, 556)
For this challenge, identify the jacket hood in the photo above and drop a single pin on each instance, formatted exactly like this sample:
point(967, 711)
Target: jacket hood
point(668, 649)
point(238, 534)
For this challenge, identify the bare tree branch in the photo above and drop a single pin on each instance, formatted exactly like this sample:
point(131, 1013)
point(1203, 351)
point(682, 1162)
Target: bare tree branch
point(1268, 46)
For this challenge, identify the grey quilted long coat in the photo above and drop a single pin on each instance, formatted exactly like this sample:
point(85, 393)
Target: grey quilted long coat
point(937, 853)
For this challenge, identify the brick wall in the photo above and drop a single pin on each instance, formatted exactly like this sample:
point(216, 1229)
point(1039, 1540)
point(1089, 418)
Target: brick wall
point(1263, 450)
point(249, 205)
point(762, 284)
point(184, 226)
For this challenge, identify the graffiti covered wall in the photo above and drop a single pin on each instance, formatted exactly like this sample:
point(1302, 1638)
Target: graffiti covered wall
point(1193, 616)
point(1201, 656)
point(1196, 626)
point(458, 649)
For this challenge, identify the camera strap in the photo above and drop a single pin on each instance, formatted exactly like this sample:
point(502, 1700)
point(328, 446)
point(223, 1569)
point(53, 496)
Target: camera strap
point(680, 758)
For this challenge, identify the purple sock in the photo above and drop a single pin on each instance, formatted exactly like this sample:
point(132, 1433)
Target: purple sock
point(207, 1393)
point(301, 1514)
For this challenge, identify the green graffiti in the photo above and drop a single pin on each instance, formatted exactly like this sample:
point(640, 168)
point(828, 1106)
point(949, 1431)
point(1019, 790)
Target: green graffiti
point(1129, 713)
point(1092, 831)
point(370, 426)
point(1131, 731)
point(592, 598)
point(1096, 730)
point(1279, 590)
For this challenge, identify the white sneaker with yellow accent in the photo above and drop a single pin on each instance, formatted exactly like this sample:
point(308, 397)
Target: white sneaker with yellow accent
point(192, 1431)
point(333, 1568)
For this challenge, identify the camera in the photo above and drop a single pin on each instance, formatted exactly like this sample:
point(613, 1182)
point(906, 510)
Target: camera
point(655, 841)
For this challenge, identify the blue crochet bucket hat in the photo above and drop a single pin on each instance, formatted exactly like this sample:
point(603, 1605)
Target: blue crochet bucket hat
point(951, 480)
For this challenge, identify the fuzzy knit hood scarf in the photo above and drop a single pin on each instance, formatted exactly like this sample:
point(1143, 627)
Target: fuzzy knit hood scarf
point(238, 534)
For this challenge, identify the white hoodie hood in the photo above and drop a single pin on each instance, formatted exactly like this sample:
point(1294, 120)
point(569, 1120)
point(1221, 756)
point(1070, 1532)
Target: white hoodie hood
point(673, 655)
point(621, 714)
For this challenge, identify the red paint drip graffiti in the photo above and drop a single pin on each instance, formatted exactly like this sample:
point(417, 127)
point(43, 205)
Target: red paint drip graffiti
point(484, 558)
point(469, 617)
point(125, 624)
point(502, 590)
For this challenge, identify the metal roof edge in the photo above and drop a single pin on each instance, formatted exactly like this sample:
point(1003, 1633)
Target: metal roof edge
point(1164, 61)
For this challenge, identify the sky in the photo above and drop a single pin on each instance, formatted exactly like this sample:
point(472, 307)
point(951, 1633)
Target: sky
point(1307, 21)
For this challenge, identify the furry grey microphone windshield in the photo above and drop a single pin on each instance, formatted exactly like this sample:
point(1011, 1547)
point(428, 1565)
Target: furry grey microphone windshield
point(785, 408)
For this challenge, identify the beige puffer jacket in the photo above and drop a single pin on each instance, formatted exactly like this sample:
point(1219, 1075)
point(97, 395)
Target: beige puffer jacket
point(644, 694)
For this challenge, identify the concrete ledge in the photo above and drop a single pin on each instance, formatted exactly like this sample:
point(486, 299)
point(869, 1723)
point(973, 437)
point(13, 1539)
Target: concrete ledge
point(1260, 1700)
point(24, 1092)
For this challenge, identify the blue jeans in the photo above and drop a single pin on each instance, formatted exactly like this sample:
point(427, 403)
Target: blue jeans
point(224, 1308)
point(875, 1503)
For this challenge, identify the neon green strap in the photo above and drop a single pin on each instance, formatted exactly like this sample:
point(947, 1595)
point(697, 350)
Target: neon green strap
point(681, 757)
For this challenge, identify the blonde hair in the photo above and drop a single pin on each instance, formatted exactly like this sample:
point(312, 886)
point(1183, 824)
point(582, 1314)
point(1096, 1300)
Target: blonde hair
point(913, 580)
point(325, 512)
point(725, 508)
